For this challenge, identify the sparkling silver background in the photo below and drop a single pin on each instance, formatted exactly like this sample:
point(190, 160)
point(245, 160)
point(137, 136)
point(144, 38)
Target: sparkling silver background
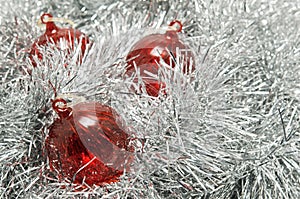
point(229, 131)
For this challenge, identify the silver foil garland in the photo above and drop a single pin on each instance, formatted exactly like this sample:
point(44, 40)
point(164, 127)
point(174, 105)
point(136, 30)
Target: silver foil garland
point(230, 130)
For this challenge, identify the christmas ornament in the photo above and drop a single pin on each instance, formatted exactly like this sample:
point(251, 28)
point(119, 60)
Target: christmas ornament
point(152, 51)
point(88, 143)
point(62, 38)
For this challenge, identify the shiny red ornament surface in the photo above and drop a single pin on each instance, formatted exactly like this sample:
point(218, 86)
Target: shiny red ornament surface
point(55, 35)
point(88, 144)
point(148, 54)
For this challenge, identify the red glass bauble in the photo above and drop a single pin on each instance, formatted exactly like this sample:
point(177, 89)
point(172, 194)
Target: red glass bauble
point(148, 54)
point(55, 35)
point(88, 144)
point(152, 85)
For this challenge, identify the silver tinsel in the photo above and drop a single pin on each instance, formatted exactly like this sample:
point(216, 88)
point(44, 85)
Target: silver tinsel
point(229, 130)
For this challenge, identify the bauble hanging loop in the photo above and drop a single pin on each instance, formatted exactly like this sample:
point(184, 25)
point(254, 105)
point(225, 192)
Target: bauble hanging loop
point(59, 105)
point(175, 25)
